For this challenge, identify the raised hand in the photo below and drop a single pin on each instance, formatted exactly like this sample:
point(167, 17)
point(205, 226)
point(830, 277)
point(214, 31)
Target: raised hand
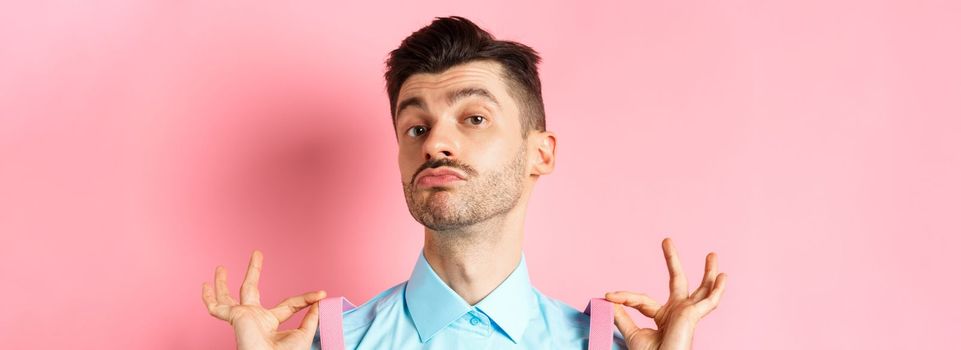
point(254, 326)
point(677, 318)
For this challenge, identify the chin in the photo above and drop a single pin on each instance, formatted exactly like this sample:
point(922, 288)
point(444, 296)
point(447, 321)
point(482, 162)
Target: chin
point(438, 201)
point(436, 193)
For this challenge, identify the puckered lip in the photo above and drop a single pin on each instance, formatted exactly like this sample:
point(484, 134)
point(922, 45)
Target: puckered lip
point(440, 172)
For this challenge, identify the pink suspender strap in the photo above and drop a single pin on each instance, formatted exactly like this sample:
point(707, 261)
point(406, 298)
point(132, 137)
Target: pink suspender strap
point(331, 323)
point(602, 324)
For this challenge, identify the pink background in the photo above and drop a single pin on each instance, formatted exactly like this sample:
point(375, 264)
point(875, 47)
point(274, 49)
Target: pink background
point(814, 146)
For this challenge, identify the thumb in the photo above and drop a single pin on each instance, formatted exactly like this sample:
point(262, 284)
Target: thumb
point(309, 324)
point(624, 322)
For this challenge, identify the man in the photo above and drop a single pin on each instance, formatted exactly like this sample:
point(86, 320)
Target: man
point(472, 141)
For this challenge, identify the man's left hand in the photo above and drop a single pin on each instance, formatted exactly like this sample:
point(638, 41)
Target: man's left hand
point(677, 318)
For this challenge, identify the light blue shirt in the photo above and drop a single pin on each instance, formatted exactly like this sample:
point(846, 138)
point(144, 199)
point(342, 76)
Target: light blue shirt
point(425, 313)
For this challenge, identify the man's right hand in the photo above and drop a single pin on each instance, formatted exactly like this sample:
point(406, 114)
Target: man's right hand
point(254, 326)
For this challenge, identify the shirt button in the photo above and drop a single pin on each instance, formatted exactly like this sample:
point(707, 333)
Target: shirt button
point(474, 321)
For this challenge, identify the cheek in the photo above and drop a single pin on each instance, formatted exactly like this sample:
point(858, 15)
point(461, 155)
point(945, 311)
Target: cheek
point(495, 156)
point(407, 164)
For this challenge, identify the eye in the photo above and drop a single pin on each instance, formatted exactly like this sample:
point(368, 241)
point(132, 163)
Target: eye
point(416, 130)
point(476, 119)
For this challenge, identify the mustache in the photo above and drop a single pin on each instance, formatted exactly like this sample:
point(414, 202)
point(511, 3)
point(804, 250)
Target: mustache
point(448, 162)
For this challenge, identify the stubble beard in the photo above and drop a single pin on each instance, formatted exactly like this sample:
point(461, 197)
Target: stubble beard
point(479, 199)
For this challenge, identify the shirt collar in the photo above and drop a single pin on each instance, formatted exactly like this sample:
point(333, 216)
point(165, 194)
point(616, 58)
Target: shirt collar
point(433, 305)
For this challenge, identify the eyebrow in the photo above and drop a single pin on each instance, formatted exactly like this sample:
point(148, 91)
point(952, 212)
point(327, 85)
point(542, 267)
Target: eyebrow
point(457, 95)
point(452, 98)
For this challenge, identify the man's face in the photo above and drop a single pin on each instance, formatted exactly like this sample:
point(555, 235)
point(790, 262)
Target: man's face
point(461, 154)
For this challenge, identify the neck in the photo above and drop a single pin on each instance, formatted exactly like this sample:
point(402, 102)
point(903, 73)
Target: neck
point(473, 260)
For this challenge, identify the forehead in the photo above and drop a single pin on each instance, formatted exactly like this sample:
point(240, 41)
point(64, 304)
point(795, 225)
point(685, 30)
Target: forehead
point(478, 74)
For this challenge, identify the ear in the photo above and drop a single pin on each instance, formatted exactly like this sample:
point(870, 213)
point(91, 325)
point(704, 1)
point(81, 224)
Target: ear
point(543, 144)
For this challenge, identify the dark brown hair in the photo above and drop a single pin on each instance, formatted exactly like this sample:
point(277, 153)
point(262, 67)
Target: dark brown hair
point(450, 41)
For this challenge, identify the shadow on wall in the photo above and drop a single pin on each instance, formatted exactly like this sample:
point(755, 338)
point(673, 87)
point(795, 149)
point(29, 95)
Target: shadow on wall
point(289, 173)
point(303, 176)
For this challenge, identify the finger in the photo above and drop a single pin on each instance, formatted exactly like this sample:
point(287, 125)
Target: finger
point(249, 295)
point(678, 283)
point(213, 307)
point(710, 274)
point(624, 322)
point(309, 324)
point(220, 283)
point(714, 298)
point(643, 303)
point(292, 305)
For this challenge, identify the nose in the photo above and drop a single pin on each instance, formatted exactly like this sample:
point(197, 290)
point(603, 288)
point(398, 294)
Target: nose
point(441, 142)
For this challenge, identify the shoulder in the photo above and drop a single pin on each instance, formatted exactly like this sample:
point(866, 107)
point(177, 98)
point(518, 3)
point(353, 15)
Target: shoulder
point(574, 323)
point(358, 320)
point(559, 314)
point(390, 300)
